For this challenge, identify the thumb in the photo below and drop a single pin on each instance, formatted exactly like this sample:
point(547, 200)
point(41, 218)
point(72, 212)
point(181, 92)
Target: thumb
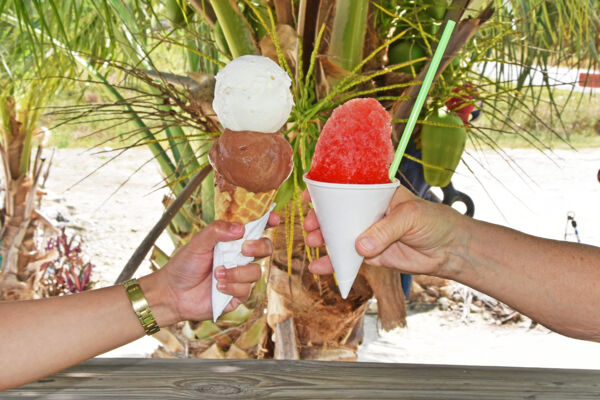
point(401, 195)
point(218, 231)
point(388, 230)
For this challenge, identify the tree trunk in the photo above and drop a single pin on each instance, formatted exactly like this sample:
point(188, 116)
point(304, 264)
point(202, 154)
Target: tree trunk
point(21, 257)
point(387, 288)
point(20, 195)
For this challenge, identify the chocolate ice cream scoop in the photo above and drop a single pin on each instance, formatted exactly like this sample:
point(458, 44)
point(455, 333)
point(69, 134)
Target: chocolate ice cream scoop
point(258, 162)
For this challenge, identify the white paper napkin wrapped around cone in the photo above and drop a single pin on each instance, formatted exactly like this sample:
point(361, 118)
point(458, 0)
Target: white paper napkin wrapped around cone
point(229, 254)
point(344, 212)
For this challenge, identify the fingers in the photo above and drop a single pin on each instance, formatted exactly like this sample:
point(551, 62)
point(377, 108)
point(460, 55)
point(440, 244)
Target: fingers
point(257, 248)
point(218, 231)
point(222, 231)
point(233, 304)
point(273, 219)
point(315, 239)
point(237, 281)
point(240, 291)
point(388, 230)
point(311, 222)
point(321, 266)
point(306, 196)
point(243, 274)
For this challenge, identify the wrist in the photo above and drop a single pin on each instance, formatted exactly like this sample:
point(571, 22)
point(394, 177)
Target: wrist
point(159, 300)
point(474, 251)
point(458, 250)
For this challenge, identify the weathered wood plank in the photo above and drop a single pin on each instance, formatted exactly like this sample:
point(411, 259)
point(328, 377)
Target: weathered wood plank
point(269, 379)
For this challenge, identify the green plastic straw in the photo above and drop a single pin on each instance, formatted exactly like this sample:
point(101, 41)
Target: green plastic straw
point(414, 114)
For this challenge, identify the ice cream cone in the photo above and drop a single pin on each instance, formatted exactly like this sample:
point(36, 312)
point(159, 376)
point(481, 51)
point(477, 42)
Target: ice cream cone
point(240, 205)
point(251, 158)
point(344, 212)
point(236, 204)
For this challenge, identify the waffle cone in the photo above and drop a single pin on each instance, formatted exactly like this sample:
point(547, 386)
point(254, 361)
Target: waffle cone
point(240, 205)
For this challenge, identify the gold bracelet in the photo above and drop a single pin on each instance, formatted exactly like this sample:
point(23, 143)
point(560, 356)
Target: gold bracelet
point(140, 306)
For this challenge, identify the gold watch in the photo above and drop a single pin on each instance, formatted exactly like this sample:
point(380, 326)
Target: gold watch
point(140, 306)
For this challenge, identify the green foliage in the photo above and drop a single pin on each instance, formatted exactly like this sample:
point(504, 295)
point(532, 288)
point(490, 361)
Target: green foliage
point(157, 45)
point(30, 64)
point(178, 12)
point(533, 35)
point(348, 33)
point(405, 51)
point(536, 34)
point(235, 27)
point(437, 8)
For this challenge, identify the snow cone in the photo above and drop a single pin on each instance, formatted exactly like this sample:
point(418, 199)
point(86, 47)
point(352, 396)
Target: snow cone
point(348, 181)
point(251, 159)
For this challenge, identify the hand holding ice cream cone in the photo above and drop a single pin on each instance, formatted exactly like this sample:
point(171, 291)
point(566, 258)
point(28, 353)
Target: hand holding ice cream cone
point(251, 159)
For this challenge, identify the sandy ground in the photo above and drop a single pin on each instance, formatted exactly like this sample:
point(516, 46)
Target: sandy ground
point(533, 196)
point(533, 191)
point(110, 224)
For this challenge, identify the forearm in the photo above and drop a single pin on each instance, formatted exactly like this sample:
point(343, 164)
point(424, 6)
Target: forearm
point(555, 283)
point(40, 337)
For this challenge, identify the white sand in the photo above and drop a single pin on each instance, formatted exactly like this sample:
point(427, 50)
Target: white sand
point(433, 338)
point(534, 193)
point(565, 182)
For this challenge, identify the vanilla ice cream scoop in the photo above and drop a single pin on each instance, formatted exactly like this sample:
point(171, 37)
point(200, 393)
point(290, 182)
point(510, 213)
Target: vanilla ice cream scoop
point(252, 93)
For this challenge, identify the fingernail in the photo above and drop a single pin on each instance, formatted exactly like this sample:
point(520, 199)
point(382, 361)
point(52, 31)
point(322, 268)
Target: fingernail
point(235, 228)
point(221, 286)
point(220, 273)
point(366, 243)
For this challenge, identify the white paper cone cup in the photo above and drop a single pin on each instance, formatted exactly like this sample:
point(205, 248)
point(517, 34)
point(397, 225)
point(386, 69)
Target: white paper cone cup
point(229, 254)
point(344, 212)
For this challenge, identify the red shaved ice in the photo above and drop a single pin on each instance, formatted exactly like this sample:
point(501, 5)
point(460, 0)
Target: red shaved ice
point(355, 145)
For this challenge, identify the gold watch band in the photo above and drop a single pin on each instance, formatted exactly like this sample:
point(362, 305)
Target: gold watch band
point(140, 306)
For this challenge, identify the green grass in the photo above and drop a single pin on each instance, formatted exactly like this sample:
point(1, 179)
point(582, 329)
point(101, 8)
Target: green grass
point(580, 116)
point(514, 141)
point(580, 126)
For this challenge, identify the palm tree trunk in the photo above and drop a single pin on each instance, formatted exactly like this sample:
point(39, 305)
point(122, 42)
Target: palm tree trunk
point(387, 288)
point(21, 255)
point(21, 185)
point(20, 195)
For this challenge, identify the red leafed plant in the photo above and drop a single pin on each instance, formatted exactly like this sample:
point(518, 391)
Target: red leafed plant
point(68, 273)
